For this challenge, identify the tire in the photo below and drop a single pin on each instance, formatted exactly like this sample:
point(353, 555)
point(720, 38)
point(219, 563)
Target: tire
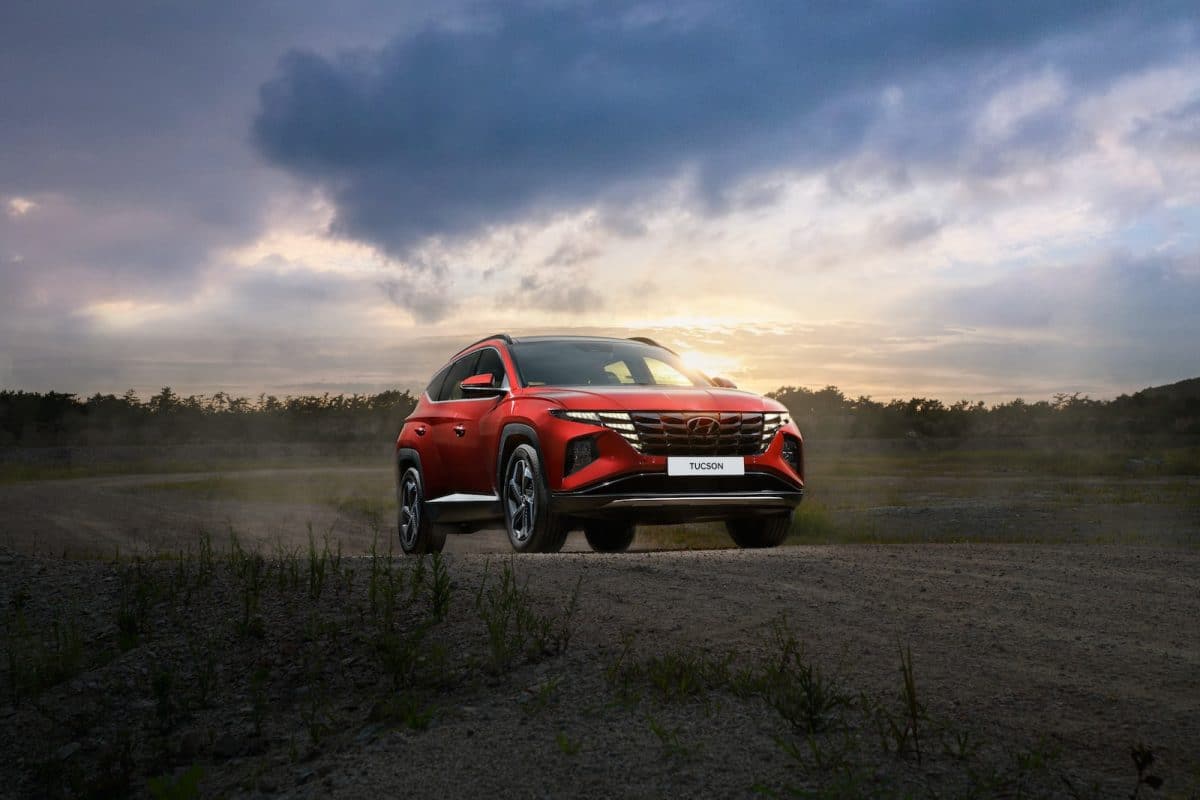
point(527, 519)
point(755, 532)
point(609, 537)
point(417, 532)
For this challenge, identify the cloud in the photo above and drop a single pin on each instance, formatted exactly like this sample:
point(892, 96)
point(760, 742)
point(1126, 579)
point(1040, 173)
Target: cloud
point(534, 109)
point(127, 126)
point(555, 291)
point(1119, 316)
point(19, 206)
point(424, 303)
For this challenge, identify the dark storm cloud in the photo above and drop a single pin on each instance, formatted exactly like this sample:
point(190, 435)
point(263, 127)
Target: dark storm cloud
point(537, 108)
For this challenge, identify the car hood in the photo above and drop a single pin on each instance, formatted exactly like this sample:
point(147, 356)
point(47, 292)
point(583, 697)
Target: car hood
point(657, 398)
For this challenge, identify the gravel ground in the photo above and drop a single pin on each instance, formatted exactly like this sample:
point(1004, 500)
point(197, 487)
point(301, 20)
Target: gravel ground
point(1038, 668)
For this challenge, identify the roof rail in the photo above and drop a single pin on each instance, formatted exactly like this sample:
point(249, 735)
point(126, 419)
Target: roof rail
point(503, 336)
point(652, 343)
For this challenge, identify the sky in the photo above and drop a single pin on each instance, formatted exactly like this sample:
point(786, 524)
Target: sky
point(979, 200)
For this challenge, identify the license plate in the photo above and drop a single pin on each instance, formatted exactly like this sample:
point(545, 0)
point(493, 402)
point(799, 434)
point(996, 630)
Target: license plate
point(706, 465)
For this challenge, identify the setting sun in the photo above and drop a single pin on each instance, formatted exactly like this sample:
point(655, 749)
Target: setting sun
point(711, 364)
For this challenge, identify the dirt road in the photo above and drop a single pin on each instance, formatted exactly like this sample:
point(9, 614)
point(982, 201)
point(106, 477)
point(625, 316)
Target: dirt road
point(1037, 662)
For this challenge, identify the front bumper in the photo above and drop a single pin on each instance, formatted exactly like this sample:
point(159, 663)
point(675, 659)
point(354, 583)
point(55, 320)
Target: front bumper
point(659, 498)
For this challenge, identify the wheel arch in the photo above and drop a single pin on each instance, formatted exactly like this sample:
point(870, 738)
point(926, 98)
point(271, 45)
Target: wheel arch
point(407, 457)
point(513, 434)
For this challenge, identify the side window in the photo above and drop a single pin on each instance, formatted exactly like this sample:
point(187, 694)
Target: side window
point(459, 371)
point(435, 386)
point(489, 362)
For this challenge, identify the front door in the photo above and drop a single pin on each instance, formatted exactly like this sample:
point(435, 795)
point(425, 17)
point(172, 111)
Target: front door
point(465, 442)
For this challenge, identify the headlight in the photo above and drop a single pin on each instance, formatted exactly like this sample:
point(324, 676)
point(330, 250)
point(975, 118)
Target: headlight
point(618, 421)
point(772, 422)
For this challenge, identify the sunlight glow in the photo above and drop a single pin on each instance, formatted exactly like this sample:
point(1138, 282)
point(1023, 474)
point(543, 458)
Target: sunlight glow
point(124, 313)
point(711, 364)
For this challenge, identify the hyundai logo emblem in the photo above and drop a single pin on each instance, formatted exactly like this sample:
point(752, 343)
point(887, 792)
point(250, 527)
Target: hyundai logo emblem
point(702, 426)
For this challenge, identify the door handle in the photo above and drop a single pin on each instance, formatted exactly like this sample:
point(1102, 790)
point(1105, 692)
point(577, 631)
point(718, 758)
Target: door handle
point(460, 430)
point(421, 431)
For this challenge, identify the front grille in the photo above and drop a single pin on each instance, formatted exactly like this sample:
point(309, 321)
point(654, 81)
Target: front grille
point(703, 433)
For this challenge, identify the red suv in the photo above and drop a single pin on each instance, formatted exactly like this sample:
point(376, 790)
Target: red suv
point(555, 433)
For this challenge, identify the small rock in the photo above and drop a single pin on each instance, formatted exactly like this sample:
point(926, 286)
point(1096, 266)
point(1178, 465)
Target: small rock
point(367, 734)
point(67, 750)
point(304, 776)
point(267, 784)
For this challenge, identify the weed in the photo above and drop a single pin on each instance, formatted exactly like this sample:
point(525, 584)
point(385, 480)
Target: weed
point(417, 581)
point(1031, 767)
point(253, 569)
point(900, 733)
point(318, 560)
point(439, 588)
point(402, 653)
point(405, 708)
point(960, 745)
point(204, 559)
point(669, 737)
point(287, 566)
point(202, 653)
point(914, 711)
point(616, 669)
point(1143, 759)
point(184, 786)
point(313, 709)
point(36, 661)
point(545, 694)
point(568, 745)
point(137, 592)
point(804, 695)
point(513, 627)
point(568, 617)
point(678, 676)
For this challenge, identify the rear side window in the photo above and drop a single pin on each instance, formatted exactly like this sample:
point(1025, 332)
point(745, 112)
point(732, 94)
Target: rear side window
point(460, 370)
point(489, 362)
point(435, 385)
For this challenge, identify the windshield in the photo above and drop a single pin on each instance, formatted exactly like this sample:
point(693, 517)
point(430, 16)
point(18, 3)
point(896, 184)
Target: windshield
point(600, 362)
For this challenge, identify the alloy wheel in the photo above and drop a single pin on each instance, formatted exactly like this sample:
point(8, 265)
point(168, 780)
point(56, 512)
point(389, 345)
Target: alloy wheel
point(521, 500)
point(410, 511)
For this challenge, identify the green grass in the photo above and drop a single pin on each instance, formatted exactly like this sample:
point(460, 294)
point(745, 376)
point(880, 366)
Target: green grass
point(369, 495)
point(1060, 462)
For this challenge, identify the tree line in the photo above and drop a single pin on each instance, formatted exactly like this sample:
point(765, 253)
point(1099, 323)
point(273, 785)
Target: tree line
point(33, 419)
point(828, 413)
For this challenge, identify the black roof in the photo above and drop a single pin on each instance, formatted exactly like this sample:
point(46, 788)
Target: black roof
point(504, 337)
point(566, 337)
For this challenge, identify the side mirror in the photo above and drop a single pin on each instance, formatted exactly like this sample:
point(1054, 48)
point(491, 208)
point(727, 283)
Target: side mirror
point(724, 383)
point(481, 385)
